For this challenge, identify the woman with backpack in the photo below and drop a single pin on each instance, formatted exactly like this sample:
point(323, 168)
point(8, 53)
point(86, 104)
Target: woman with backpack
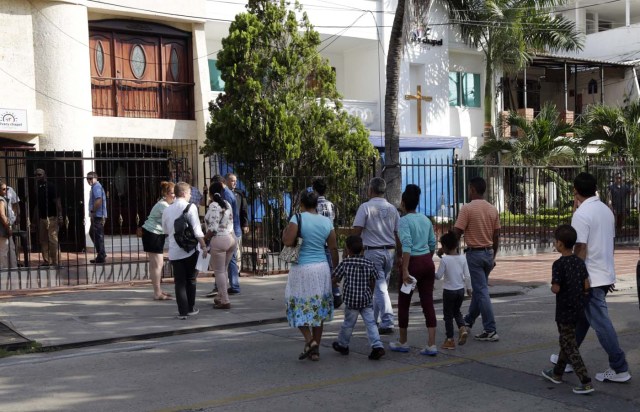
point(181, 223)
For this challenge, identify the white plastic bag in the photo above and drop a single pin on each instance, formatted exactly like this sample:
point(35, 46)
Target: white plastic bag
point(202, 265)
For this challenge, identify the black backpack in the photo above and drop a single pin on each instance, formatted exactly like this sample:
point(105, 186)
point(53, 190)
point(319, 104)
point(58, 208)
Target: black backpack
point(183, 232)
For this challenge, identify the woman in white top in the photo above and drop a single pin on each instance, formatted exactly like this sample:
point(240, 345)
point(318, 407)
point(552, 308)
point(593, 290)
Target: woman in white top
point(219, 221)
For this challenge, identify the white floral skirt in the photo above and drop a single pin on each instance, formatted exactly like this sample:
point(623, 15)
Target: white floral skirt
point(309, 295)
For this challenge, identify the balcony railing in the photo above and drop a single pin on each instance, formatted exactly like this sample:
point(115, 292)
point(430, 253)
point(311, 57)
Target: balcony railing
point(142, 98)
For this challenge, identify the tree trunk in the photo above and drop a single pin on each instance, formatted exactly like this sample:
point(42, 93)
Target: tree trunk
point(392, 172)
point(488, 100)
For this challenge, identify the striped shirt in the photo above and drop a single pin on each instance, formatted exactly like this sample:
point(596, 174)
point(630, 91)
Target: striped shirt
point(478, 220)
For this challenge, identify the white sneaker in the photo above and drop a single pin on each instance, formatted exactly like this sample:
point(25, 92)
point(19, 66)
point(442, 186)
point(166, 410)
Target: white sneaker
point(399, 347)
point(554, 360)
point(194, 312)
point(429, 350)
point(611, 375)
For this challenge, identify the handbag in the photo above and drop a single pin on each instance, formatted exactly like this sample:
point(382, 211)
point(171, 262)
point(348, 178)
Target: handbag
point(290, 253)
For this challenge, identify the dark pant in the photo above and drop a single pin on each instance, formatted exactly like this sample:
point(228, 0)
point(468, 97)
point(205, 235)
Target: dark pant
point(184, 277)
point(451, 303)
point(569, 353)
point(422, 268)
point(96, 232)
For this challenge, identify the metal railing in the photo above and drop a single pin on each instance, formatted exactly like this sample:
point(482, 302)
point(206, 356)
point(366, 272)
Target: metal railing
point(142, 98)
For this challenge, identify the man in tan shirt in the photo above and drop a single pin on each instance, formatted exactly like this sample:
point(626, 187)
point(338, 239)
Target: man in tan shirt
point(479, 221)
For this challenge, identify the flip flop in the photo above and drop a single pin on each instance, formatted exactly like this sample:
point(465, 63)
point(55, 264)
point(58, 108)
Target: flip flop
point(162, 297)
point(167, 295)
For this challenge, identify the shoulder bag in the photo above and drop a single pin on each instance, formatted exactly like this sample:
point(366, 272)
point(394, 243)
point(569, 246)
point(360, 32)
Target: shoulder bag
point(290, 253)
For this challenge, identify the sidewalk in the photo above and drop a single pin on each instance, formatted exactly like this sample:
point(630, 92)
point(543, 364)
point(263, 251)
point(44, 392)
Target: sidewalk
point(100, 315)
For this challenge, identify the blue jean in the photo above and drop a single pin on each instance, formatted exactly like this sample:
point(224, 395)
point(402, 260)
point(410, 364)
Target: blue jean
point(383, 262)
point(597, 317)
point(480, 264)
point(96, 233)
point(233, 270)
point(350, 319)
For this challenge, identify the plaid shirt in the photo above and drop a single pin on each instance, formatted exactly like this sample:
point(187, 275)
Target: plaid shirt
point(357, 272)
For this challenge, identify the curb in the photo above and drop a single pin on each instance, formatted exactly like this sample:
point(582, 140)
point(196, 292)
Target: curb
point(201, 329)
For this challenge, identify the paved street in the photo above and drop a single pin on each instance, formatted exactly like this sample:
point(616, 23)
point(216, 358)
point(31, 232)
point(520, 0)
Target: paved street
point(256, 368)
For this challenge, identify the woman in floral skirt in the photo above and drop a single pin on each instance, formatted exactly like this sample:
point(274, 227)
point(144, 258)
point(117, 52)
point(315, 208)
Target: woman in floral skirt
point(308, 293)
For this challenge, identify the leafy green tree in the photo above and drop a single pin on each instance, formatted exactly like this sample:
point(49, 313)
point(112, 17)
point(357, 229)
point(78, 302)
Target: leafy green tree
point(617, 129)
point(280, 113)
point(509, 32)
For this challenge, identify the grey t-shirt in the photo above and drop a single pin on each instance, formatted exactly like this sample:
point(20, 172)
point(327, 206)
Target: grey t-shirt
point(379, 222)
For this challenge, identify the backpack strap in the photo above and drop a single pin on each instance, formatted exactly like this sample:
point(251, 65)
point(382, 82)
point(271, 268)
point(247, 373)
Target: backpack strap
point(186, 209)
point(299, 217)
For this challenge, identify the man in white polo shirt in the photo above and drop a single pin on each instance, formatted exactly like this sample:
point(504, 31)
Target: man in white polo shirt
point(595, 225)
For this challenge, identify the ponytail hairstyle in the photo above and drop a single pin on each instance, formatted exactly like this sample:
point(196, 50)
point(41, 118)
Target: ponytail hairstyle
point(215, 191)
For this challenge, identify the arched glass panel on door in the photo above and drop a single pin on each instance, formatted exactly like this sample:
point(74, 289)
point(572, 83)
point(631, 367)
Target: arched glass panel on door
point(99, 58)
point(138, 61)
point(174, 64)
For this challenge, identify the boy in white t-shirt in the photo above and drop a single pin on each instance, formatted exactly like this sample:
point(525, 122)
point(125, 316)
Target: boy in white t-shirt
point(455, 272)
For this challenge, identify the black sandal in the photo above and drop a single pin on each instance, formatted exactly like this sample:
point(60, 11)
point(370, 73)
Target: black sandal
point(306, 352)
point(314, 352)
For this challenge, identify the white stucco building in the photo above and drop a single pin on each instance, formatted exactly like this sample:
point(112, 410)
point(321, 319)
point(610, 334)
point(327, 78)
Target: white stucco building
point(130, 81)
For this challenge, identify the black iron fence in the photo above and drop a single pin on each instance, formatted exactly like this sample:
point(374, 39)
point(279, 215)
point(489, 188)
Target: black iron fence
point(532, 201)
point(130, 173)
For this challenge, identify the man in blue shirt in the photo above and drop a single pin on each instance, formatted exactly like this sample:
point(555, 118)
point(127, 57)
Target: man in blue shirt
point(97, 214)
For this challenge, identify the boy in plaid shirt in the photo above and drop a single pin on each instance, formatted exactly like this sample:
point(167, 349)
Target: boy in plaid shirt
point(359, 281)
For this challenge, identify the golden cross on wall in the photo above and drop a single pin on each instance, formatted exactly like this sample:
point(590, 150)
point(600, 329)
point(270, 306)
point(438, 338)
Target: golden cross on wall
point(420, 98)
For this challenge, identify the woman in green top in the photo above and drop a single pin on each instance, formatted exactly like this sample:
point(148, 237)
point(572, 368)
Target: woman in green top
point(153, 239)
point(415, 232)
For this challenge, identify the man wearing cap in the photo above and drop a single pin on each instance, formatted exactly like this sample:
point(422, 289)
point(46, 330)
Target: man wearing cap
point(377, 223)
point(48, 212)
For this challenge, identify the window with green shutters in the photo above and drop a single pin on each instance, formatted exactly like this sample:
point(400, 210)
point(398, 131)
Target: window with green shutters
point(464, 89)
point(217, 84)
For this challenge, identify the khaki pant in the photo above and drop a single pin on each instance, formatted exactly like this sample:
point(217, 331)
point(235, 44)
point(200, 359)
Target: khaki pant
point(222, 248)
point(48, 234)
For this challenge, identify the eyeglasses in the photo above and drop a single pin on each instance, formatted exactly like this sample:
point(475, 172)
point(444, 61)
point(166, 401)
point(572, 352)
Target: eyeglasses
point(39, 174)
point(89, 178)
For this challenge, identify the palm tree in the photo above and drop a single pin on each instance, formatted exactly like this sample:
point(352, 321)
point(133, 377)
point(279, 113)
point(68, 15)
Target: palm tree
point(509, 32)
point(618, 128)
point(406, 11)
point(543, 142)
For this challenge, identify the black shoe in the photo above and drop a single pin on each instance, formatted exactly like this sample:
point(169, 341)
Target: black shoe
point(385, 331)
point(211, 294)
point(339, 348)
point(97, 261)
point(376, 353)
point(233, 291)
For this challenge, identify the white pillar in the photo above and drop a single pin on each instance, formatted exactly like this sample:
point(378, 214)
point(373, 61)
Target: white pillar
point(63, 77)
point(627, 12)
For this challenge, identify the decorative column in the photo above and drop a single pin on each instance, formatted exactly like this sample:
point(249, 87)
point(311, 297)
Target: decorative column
point(61, 43)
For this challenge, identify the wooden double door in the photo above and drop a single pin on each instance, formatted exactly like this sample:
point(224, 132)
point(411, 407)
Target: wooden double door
point(140, 75)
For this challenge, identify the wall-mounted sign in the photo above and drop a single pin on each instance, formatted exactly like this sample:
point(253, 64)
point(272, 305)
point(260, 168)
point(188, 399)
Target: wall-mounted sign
point(421, 36)
point(13, 120)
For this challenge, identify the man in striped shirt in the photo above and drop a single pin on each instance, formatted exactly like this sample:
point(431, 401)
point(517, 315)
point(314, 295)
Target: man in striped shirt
point(479, 221)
